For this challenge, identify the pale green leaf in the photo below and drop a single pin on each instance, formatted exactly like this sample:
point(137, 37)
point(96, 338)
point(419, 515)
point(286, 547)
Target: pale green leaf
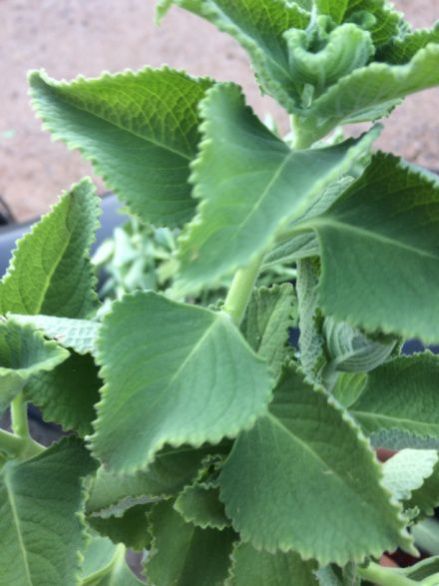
point(379, 251)
point(370, 92)
point(170, 472)
point(250, 184)
point(308, 482)
point(349, 387)
point(377, 16)
point(270, 315)
point(260, 568)
point(97, 556)
point(105, 565)
point(407, 471)
point(78, 334)
point(41, 532)
point(401, 396)
point(426, 498)
point(350, 350)
point(130, 527)
point(189, 378)
point(140, 130)
point(50, 271)
point(200, 504)
point(259, 27)
point(67, 395)
point(23, 354)
point(185, 555)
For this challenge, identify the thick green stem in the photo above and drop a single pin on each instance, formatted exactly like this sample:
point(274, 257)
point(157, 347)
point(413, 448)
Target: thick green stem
point(241, 289)
point(384, 576)
point(10, 443)
point(19, 421)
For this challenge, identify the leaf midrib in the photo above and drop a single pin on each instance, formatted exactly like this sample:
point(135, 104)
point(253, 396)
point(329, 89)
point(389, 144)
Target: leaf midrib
point(278, 423)
point(13, 507)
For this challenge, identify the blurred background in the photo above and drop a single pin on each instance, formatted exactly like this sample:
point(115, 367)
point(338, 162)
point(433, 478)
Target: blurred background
point(67, 37)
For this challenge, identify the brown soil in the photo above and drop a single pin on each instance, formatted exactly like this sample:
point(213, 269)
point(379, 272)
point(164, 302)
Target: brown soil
point(70, 36)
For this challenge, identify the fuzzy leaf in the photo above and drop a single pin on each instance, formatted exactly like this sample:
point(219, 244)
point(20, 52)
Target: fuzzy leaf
point(78, 334)
point(426, 497)
point(189, 378)
point(67, 395)
point(23, 354)
point(50, 271)
point(407, 471)
point(129, 528)
point(171, 470)
point(250, 184)
point(401, 396)
point(386, 223)
point(41, 533)
point(349, 387)
point(308, 482)
point(260, 568)
point(185, 555)
point(270, 315)
point(258, 26)
point(402, 49)
point(200, 504)
point(370, 93)
point(139, 135)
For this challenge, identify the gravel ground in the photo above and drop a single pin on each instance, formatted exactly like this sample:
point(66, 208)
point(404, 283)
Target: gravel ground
point(70, 36)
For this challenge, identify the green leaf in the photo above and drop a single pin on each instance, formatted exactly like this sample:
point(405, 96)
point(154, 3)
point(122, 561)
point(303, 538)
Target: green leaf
point(23, 354)
point(41, 531)
point(97, 557)
point(426, 497)
point(50, 271)
point(259, 27)
point(382, 231)
point(185, 555)
point(78, 334)
point(402, 50)
point(250, 185)
point(401, 396)
point(67, 395)
point(303, 470)
point(131, 126)
point(130, 527)
point(378, 17)
point(370, 93)
point(200, 504)
point(201, 382)
point(260, 568)
point(349, 387)
point(407, 471)
point(104, 565)
point(270, 314)
point(170, 472)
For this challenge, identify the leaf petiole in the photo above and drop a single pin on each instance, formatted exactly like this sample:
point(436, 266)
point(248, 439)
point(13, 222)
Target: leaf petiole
point(384, 576)
point(19, 421)
point(241, 289)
